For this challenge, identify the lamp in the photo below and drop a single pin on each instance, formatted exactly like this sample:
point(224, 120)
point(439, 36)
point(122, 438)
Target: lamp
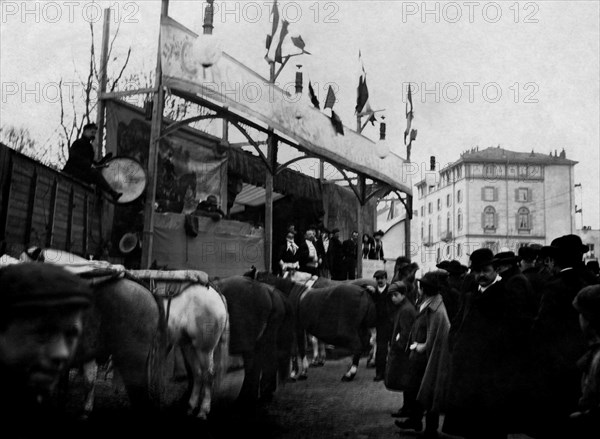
point(299, 103)
point(382, 148)
point(206, 50)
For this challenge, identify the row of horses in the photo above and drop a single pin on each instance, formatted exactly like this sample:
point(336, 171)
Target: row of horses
point(138, 317)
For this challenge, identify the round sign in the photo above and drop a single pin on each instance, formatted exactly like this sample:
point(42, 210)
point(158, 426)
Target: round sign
point(127, 176)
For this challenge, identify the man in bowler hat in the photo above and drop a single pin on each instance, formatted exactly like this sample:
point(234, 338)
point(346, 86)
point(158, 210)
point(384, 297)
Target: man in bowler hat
point(483, 341)
point(385, 311)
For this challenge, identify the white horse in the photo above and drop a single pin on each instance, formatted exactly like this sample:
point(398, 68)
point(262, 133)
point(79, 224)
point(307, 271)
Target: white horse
point(196, 318)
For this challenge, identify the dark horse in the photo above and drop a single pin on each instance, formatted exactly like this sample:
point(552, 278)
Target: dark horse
point(261, 331)
point(340, 314)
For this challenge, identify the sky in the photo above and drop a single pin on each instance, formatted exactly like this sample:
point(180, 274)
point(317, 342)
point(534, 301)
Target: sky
point(522, 75)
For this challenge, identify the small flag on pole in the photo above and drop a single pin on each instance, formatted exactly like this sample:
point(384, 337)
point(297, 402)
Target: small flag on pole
point(363, 106)
point(313, 97)
point(330, 100)
point(409, 114)
point(274, 25)
point(337, 123)
point(277, 41)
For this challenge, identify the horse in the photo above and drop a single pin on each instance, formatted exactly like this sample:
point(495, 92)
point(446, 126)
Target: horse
point(261, 332)
point(340, 314)
point(137, 328)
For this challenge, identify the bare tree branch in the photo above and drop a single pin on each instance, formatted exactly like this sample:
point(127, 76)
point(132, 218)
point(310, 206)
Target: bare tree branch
point(114, 84)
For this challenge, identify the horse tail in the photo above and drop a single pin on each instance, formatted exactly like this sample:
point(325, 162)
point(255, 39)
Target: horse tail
point(156, 357)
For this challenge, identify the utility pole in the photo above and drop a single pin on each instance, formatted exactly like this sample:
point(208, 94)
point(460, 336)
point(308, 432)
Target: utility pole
point(157, 115)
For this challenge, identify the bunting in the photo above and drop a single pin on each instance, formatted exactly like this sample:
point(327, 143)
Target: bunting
point(363, 106)
point(313, 97)
point(277, 38)
point(409, 114)
point(330, 100)
point(337, 123)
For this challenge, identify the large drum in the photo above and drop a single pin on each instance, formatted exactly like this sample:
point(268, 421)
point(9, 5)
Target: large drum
point(127, 176)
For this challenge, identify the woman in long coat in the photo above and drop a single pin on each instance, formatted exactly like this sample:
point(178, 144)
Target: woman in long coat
point(429, 357)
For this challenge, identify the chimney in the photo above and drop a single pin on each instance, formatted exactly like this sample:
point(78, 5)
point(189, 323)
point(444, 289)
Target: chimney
point(563, 154)
point(432, 163)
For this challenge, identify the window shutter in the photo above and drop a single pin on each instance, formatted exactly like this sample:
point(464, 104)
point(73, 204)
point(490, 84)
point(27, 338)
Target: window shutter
point(517, 221)
point(516, 194)
point(496, 223)
point(495, 194)
point(531, 221)
point(483, 220)
point(483, 193)
point(529, 195)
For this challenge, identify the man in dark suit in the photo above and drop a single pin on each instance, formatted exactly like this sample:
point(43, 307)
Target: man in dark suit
point(81, 163)
point(308, 256)
point(483, 341)
point(557, 342)
point(288, 254)
point(336, 256)
point(385, 311)
point(350, 249)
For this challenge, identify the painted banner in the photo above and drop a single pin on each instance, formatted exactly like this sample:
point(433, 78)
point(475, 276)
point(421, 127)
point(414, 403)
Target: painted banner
point(235, 86)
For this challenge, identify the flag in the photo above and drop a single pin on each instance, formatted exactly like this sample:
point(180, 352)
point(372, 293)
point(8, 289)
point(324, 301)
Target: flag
point(330, 100)
point(362, 99)
point(413, 135)
point(409, 115)
point(313, 97)
point(274, 25)
point(277, 39)
point(337, 123)
point(372, 119)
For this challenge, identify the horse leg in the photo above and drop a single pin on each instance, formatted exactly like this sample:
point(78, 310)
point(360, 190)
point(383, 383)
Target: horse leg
point(322, 353)
point(373, 343)
point(207, 366)
point(192, 360)
point(90, 375)
point(249, 391)
point(315, 349)
point(303, 373)
point(269, 362)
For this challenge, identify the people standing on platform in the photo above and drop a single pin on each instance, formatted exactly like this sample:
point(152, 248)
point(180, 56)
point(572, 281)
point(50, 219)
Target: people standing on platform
point(484, 349)
point(81, 163)
point(557, 341)
point(288, 254)
point(376, 251)
point(308, 256)
point(336, 255)
point(586, 420)
point(429, 357)
point(41, 321)
point(367, 245)
point(384, 309)
point(350, 249)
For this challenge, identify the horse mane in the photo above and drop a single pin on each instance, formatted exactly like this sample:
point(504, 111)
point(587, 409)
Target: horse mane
point(285, 285)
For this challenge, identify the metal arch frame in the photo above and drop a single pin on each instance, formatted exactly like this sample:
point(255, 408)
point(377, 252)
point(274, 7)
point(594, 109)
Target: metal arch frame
point(181, 123)
point(252, 142)
point(285, 165)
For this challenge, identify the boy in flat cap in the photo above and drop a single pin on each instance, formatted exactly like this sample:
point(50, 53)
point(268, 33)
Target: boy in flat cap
point(41, 312)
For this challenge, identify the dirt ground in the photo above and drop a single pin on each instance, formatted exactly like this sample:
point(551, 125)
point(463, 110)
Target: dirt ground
point(322, 407)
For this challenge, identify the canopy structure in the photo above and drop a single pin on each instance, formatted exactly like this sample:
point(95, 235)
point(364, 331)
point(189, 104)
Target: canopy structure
point(244, 99)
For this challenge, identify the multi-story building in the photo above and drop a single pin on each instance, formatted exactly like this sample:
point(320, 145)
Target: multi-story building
point(492, 198)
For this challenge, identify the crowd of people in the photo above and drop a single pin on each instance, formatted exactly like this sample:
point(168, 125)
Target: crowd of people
point(510, 344)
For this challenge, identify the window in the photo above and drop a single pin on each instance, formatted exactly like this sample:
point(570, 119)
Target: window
point(430, 232)
point(459, 196)
point(447, 250)
point(430, 207)
point(458, 249)
point(439, 204)
point(448, 200)
point(439, 255)
point(488, 193)
point(422, 231)
point(492, 245)
point(459, 220)
point(422, 211)
point(439, 227)
point(448, 229)
point(523, 195)
point(459, 171)
point(490, 171)
point(489, 218)
point(523, 219)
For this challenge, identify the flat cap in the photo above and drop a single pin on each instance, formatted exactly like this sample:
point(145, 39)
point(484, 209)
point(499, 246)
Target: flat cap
point(41, 285)
point(380, 273)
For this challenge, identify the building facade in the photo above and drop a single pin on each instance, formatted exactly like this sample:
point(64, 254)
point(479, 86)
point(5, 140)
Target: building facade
point(491, 198)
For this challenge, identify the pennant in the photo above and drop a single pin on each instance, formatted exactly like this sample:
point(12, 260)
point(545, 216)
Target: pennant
point(409, 115)
point(313, 97)
point(330, 100)
point(362, 100)
point(300, 44)
point(372, 119)
point(337, 123)
point(413, 135)
point(274, 26)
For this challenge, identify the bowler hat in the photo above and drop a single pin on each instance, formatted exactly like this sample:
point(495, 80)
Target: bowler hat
point(335, 230)
point(480, 258)
point(380, 273)
point(529, 252)
point(587, 302)
point(41, 285)
point(504, 258)
point(378, 233)
point(435, 278)
point(443, 265)
point(455, 267)
point(570, 244)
